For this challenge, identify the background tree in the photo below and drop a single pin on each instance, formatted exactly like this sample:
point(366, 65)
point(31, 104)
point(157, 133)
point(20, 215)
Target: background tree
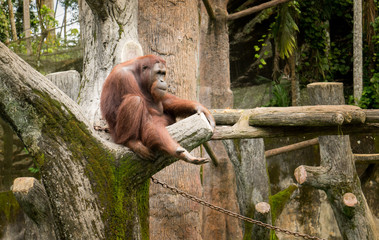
point(169, 213)
point(12, 20)
point(26, 25)
point(358, 60)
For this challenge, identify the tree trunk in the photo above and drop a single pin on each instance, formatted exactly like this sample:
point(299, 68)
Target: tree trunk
point(219, 181)
point(12, 20)
point(337, 176)
point(253, 185)
point(27, 27)
point(326, 93)
point(172, 216)
point(105, 28)
point(97, 190)
point(50, 5)
point(357, 54)
point(295, 89)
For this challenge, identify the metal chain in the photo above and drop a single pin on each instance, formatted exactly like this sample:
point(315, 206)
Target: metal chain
point(233, 214)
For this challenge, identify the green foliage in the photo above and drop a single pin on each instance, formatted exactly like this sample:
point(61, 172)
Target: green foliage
point(33, 170)
point(285, 28)
point(370, 94)
point(4, 31)
point(281, 96)
point(261, 51)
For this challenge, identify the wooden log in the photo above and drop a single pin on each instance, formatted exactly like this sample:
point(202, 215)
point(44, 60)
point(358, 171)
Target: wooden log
point(366, 158)
point(336, 175)
point(292, 147)
point(320, 115)
point(372, 115)
point(32, 197)
point(230, 132)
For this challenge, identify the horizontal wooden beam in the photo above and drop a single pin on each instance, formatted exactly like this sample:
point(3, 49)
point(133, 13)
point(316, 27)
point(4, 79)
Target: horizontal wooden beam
point(366, 158)
point(319, 115)
point(230, 132)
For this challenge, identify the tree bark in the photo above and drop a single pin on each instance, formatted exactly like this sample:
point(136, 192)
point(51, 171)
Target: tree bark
point(227, 132)
point(321, 115)
point(27, 26)
point(33, 199)
point(357, 53)
point(97, 189)
point(172, 216)
point(337, 176)
point(218, 181)
point(105, 28)
point(253, 187)
point(12, 21)
point(326, 93)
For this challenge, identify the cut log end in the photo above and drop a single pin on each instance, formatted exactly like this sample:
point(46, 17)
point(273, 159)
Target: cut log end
point(262, 207)
point(300, 174)
point(350, 200)
point(23, 184)
point(338, 119)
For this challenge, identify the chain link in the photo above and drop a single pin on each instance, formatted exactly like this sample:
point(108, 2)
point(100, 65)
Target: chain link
point(233, 214)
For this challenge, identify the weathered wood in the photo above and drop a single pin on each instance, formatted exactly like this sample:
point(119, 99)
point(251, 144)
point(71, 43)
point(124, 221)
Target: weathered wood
point(219, 182)
point(68, 82)
point(81, 172)
point(255, 9)
point(336, 175)
point(366, 158)
point(372, 115)
point(32, 197)
point(320, 115)
point(292, 147)
point(350, 200)
point(326, 93)
point(247, 156)
point(171, 219)
point(227, 132)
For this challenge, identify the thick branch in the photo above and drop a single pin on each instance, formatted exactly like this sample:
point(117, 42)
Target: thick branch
point(98, 8)
point(189, 132)
point(255, 9)
point(366, 158)
point(86, 169)
point(25, 97)
point(209, 9)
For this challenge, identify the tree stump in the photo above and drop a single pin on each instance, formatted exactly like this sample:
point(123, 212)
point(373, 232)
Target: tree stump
point(326, 93)
point(32, 197)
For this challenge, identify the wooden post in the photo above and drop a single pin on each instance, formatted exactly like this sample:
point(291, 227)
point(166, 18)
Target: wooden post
point(32, 197)
point(253, 187)
point(337, 176)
